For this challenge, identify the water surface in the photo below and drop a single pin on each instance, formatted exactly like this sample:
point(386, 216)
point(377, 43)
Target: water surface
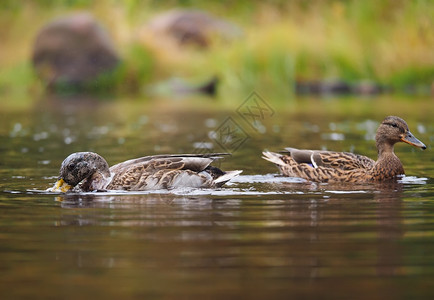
point(260, 236)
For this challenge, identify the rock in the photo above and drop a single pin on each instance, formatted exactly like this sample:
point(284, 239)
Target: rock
point(192, 27)
point(338, 87)
point(368, 88)
point(178, 87)
point(335, 87)
point(73, 51)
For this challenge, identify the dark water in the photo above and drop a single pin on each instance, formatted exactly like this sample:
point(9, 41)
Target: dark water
point(261, 236)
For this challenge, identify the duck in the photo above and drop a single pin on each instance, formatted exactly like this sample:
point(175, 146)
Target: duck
point(330, 166)
point(89, 171)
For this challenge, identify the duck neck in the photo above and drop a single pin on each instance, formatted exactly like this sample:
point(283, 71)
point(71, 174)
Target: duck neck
point(384, 149)
point(101, 166)
point(388, 164)
point(97, 181)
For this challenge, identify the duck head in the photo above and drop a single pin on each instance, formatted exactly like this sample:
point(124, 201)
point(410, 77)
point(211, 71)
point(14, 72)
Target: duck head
point(393, 130)
point(78, 167)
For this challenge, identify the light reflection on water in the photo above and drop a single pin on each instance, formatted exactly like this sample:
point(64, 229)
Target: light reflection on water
point(260, 236)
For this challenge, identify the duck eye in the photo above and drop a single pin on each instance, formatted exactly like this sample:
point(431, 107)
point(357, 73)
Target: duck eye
point(394, 125)
point(71, 167)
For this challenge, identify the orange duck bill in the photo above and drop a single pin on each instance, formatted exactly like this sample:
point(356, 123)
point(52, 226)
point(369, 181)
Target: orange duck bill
point(409, 138)
point(60, 186)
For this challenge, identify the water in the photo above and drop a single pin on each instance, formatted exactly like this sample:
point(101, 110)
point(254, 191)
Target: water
point(260, 236)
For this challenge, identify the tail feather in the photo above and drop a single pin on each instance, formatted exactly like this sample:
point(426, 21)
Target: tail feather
point(273, 157)
point(227, 176)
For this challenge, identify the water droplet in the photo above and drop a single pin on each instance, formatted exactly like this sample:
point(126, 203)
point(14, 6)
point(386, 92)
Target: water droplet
point(261, 128)
point(203, 145)
point(17, 127)
point(332, 126)
point(421, 129)
point(143, 119)
point(40, 136)
point(68, 140)
point(210, 123)
point(334, 136)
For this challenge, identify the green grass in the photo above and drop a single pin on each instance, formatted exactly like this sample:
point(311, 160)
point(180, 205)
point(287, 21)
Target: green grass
point(389, 42)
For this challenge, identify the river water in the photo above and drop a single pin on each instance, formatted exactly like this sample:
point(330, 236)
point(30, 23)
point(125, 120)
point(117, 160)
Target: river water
point(260, 236)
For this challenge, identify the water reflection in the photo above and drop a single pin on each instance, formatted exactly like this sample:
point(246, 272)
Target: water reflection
point(321, 232)
point(262, 236)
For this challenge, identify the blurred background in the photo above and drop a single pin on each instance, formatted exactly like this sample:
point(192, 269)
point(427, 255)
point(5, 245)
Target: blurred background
point(220, 48)
point(132, 78)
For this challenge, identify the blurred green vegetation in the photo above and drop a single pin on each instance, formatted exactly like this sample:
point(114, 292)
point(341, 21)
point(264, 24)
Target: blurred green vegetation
point(388, 42)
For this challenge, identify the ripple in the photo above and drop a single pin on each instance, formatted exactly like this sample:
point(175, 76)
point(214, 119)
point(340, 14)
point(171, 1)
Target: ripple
point(267, 178)
point(177, 192)
point(257, 185)
point(413, 180)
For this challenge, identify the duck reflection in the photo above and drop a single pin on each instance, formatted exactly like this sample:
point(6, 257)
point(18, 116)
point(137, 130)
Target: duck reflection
point(144, 209)
point(390, 228)
point(319, 231)
point(133, 200)
point(335, 230)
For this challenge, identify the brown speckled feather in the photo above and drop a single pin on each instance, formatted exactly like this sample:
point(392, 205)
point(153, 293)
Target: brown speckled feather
point(329, 166)
point(341, 169)
point(161, 173)
point(88, 171)
point(331, 159)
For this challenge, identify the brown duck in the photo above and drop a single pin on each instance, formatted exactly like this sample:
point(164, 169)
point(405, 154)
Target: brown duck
point(88, 171)
point(328, 166)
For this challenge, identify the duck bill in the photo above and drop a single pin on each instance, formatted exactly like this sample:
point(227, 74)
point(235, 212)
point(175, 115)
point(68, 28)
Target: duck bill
point(409, 138)
point(61, 186)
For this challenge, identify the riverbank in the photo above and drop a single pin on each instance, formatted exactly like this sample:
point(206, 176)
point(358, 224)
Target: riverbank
point(281, 47)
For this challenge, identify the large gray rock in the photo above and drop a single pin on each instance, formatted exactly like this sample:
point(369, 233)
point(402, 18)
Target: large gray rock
point(194, 27)
point(73, 51)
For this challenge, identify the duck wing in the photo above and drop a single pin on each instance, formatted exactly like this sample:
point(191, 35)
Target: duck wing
point(196, 162)
point(164, 171)
point(327, 172)
point(331, 159)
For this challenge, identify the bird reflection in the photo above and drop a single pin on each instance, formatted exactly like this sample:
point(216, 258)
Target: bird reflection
point(390, 228)
point(321, 230)
point(125, 200)
point(152, 210)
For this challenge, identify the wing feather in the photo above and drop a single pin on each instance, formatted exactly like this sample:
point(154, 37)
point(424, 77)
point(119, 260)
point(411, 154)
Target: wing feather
point(331, 159)
point(163, 171)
